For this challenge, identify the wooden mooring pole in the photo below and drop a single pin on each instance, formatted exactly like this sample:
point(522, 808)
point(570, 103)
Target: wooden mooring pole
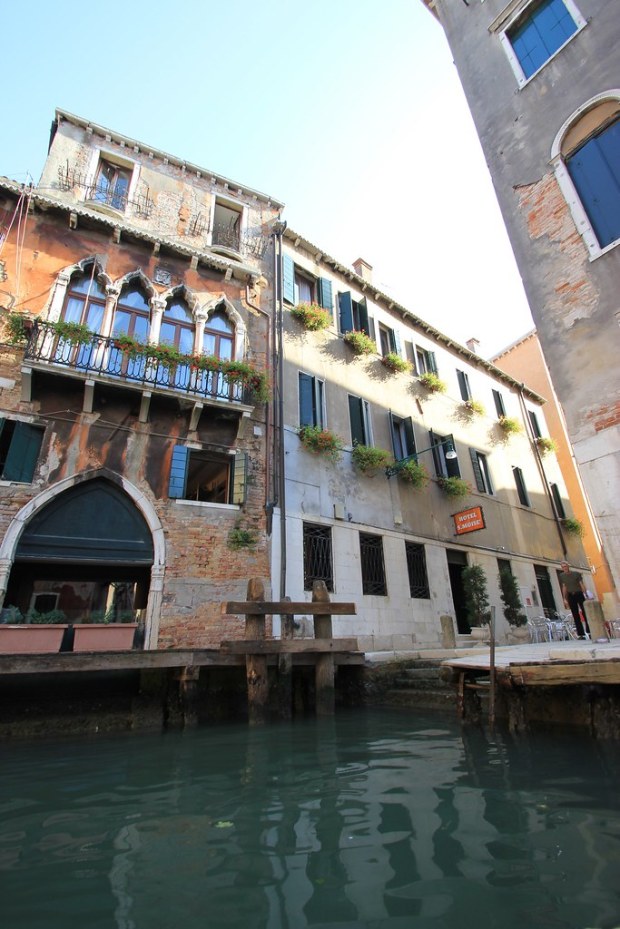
point(256, 665)
point(324, 675)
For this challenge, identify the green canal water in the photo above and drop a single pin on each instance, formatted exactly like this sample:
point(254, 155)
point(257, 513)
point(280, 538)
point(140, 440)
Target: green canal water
point(377, 819)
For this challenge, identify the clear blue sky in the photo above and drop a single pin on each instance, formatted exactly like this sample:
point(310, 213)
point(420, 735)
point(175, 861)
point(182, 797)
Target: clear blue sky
point(350, 111)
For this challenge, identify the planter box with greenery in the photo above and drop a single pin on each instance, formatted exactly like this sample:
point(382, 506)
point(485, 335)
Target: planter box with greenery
point(454, 487)
point(509, 426)
point(545, 445)
point(311, 316)
point(476, 596)
point(474, 408)
point(573, 526)
point(368, 459)
point(414, 474)
point(31, 639)
point(103, 637)
point(394, 363)
point(359, 342)
point(320, 441)
point(433, 383)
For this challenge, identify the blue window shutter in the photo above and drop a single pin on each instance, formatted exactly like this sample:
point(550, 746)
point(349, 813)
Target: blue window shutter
point(595, 172)
point(178, 471)
point(541, 34)
point(288, 279)
point(23, 453)
point(325, 294)
point(345, 305)
point(306, 400)
point(239, 478)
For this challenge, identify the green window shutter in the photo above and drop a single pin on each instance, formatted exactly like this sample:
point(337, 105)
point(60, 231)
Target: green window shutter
point(23, 453)
point(288, 279)
point(409, 435)
point(356, 414)
point(396, 341)
point(480, 484)
point(306, 400)
point(371, 328)
point(345, 306)
point(437, 459)
point(178, 472)
point(463, 385)
point(394, 436)
point(239, 478)
point(363, 311)
point(325, 294)
point(432, 362)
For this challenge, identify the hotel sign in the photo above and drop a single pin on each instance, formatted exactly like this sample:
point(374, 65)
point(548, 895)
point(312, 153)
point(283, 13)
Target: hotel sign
point(469, 520)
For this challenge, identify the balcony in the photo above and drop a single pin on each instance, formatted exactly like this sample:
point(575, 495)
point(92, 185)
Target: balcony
point(118, 360)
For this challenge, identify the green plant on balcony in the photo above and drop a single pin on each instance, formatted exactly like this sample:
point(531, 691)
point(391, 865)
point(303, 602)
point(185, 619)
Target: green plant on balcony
point(509, 426)
point(414, 474)
point(241, 372)
point(545, 445)
point(573, 526)
point(359, 342)
point(394, 363)
point(312, 316)
point(73, 333)
point(320, 441)
point(367, 458)
point(432, 382)
point(474, 407)
point(242, 538)
point(454, 487)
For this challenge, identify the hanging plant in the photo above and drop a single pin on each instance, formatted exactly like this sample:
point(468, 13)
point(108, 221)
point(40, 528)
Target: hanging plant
point(359, 342)
point(242, 538)
point(320, 441)
point(414, 474)
point(509, 426)
point(394, 363)
point(367, 458)
point(73, 333)
point(474, 407)
point(19, 328)
point(454, 487)
point(432, 382)
point(573, 526)
point(545, 445)
point(312, 316)
point(476, 596)
point(509, 592)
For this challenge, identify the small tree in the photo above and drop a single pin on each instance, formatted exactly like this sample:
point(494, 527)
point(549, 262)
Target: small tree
point(476, 596)
point(509, 592)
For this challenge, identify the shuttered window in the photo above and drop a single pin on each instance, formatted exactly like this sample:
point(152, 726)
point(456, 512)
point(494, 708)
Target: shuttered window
point(558, 503)
point(359, 415)
point(425, 361)
point(534, 424)
point(206, 477)
point(546, 26)
point(440, 445)
point(521, 488)
point(311, 402)
point(498, 400)
point(595, 171)
point(403, 439)
point(463, 380)
point(354, 315)
point(482, 475)
point(20, 445)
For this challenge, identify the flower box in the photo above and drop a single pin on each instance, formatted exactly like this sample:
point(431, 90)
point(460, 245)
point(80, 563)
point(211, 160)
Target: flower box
point(31, 639)
point(103, 637)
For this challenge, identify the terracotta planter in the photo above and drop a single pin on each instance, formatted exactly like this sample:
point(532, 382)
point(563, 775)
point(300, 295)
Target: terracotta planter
point(30, 640)
point(102, 637)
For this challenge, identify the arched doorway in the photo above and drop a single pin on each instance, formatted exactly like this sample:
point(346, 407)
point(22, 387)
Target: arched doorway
point(87, 553)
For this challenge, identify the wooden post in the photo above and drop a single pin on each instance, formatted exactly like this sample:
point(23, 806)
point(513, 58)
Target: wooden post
point(324, 674)
point(285, 669)
point(256, 665)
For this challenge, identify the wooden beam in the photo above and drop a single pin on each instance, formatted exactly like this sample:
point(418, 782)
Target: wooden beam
point(575, 672)
point(283, 608)
point(288, 646)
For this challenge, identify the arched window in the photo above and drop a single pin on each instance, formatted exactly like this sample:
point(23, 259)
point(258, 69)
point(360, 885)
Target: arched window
point(83, 305)
point(132, 319)
point(177, 330)
point(586, 156)
point(219, 337)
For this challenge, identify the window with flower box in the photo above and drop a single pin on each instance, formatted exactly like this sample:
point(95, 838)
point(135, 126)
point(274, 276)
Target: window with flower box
point(311, 401)
point(359, 416)
point(354, 315)
point(403, 438)
point(300, 286)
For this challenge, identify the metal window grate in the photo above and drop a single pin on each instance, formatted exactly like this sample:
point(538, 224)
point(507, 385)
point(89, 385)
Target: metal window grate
point(373, 566)
point(416, 567)
point(318, 556)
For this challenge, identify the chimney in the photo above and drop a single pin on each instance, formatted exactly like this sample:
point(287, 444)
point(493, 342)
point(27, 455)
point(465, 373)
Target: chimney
point(472, 345)
point(363, 269)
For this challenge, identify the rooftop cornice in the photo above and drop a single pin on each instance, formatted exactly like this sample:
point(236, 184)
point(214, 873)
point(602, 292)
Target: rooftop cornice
point(171, 159)
point(369, 290)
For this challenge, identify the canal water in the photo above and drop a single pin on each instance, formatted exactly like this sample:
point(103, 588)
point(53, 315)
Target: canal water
point(377, 819)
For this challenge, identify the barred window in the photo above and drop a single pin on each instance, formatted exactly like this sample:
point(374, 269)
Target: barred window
point(317, 555)
point(373, 566)
point(416, 567)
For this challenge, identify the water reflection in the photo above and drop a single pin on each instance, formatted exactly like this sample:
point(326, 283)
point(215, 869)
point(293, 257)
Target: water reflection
point(370, 820)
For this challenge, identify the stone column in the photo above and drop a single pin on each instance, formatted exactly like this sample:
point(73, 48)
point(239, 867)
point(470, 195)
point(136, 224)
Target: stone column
point(158, 305)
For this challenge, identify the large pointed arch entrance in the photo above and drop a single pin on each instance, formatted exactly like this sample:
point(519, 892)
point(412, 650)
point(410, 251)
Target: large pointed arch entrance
point(88, 551)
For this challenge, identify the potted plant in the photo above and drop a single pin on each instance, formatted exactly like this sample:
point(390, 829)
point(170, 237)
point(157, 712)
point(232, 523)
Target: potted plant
point(38, 633)
point(513, 610)
point(414, 474)
point(394, 363)
point(474, 407)
point(368, 459)
point(454, 487)
point(432, 382)
point(509, 426)
point(545, 445)
point(476, 600)
point(359, 342)
point(573, 526)
point(320, 441)
point(107, 632)
point(311, 316)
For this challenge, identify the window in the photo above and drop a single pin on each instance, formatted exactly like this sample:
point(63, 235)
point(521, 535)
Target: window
point(425, 361)
point(131, 318)
point(389, 340)
point(403, 439)
point(533, 418)
point(111, 185)
point(20, 444)
point(299, 286)
point(498, 400)
point(372, 564)
point(416, 568)
point(207, 476)
point(311, 401)
point(227, 225)
point(441, 445)
point(594, 168)
point(359, 415)
point(558, 504)
point(177, 329)
point(521, 488)
point(463, 380)
point(354, 315)
point(84, 304)
point(540, 30)
point(482, 475)
point(318, 564)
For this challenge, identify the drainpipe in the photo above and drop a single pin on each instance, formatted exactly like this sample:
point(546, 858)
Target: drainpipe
point(268, 423)
point(541, 467)
point(278, 397)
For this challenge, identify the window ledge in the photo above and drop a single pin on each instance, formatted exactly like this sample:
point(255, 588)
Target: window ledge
point(603, 251)
point(205, 503)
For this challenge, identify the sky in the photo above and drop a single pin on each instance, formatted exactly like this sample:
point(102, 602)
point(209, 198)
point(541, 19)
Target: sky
point(349, 111)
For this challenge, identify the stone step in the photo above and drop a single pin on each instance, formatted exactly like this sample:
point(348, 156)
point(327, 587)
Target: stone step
point(424, 698)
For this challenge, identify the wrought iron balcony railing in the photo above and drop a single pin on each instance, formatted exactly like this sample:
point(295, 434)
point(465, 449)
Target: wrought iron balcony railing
point(106, 357)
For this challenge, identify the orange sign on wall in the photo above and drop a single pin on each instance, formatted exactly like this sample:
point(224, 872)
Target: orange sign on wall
point(469, 520)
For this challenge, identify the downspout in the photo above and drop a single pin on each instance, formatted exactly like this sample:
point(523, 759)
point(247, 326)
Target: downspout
point(278, 398)
point(541, 468)
point(268, 422)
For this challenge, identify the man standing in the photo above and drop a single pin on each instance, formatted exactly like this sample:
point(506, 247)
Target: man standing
point(573, 591)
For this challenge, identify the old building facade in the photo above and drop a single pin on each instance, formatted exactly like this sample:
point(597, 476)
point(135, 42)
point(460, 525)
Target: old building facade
point(541, 79)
